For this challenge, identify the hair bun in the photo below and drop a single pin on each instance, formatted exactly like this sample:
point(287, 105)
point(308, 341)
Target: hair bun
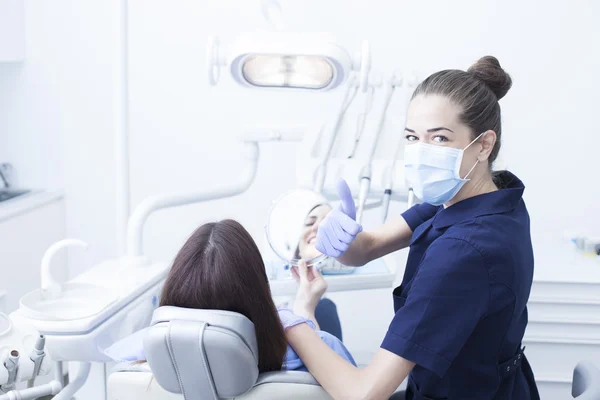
point(488, 70)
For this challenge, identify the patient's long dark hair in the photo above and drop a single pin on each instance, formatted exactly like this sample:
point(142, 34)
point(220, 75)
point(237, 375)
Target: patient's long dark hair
point(220, 268)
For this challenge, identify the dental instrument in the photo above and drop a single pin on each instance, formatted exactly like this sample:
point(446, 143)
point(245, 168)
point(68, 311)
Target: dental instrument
point(362, 119)
point(37, 356)
point(321, 172)
point(20, 339)
point(12, 366)
point(387, 194)
point(366, 172)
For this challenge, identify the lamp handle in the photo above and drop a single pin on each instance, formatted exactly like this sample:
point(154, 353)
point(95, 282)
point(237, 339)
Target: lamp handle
point(213, 65)
point(273, 13)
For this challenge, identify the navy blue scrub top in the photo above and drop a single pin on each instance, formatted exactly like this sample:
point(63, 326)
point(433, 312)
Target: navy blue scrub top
point(461, 310)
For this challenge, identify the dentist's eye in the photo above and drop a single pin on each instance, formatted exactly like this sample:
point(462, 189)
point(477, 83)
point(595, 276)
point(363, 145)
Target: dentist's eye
point(411, 138)
point(440, 139)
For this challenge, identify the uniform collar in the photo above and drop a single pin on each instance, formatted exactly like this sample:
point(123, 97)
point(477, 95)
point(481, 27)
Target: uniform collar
point(500, 201)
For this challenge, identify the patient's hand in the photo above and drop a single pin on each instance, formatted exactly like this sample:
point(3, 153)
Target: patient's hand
point(311, 286)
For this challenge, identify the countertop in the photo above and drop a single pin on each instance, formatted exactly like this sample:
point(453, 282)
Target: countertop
point(29, 201)
point(558, 261)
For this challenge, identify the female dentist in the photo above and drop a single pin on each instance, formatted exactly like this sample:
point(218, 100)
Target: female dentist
point(461, 308)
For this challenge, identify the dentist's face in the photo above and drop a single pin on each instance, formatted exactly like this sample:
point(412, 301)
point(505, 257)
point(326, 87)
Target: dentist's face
point(306, 246)
point(435, 120)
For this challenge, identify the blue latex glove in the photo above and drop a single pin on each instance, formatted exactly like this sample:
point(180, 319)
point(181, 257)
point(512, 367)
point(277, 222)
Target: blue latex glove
point(289, 319)
point(339, 228)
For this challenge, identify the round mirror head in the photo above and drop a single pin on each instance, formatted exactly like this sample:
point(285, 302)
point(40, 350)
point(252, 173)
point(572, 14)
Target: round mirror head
point(292, 226)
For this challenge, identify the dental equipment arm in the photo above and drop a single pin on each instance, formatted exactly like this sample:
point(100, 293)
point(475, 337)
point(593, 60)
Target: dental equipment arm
point(135, 227)
point(72, 387)
point(137, 220)
point(321, 172)
point(365, 178)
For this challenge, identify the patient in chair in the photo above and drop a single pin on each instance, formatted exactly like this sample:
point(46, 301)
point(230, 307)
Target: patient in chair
point(220, 268)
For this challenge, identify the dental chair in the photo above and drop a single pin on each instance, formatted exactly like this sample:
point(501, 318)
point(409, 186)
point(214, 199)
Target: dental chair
point(205, 354)
point(586, 381)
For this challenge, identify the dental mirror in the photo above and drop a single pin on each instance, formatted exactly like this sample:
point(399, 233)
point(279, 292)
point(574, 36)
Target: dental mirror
point(292, 225)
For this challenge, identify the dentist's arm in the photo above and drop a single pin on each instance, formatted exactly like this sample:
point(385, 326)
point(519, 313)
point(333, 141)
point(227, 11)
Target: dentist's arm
point(339, 378)
point(341, 237)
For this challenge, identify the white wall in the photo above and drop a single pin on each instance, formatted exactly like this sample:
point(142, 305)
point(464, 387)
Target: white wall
point(57, 119)
point(56, 114)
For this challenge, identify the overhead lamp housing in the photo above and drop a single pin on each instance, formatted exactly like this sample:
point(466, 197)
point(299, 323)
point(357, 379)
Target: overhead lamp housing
point(284, 60)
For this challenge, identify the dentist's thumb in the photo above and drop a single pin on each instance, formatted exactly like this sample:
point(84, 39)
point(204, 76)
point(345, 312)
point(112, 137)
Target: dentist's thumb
point(345, 195)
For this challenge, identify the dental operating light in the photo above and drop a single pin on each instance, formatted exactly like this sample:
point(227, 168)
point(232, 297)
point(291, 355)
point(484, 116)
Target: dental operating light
point(285, 60)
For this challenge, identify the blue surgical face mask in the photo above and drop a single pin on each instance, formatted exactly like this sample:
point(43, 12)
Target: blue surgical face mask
point(433, 172)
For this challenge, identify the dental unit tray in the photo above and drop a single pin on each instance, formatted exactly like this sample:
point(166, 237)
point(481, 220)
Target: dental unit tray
point(79, 300)
point(78, 329)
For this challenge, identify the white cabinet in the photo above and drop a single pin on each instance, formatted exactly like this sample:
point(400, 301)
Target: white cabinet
point(29, 224)
point(564, 319)
point(12, 30)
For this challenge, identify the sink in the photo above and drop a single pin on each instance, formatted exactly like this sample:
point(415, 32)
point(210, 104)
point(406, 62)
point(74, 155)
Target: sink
point(76, 301)
point(7, 194)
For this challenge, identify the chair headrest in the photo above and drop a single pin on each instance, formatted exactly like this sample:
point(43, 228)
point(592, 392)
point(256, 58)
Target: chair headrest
point(202, 353)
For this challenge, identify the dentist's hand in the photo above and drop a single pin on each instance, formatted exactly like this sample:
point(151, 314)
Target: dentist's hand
point(339, 228)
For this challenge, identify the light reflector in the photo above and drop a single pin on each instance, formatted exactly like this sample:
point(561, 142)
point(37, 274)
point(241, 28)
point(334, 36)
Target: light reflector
point(291, 71)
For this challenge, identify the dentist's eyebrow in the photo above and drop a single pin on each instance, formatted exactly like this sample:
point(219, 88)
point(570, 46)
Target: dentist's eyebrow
point(441, 128)
point(410, 130)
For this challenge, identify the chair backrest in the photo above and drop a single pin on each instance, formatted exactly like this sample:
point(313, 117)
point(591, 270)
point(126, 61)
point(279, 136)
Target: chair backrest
point(586, 381)
point(202, 354)
point(136, 382)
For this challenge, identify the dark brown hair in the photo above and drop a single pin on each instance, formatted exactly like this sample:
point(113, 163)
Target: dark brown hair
point(477, 92)
point(220, 268)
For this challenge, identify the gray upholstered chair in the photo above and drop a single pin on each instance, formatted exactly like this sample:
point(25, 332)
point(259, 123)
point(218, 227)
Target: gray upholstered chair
point(205, 354)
